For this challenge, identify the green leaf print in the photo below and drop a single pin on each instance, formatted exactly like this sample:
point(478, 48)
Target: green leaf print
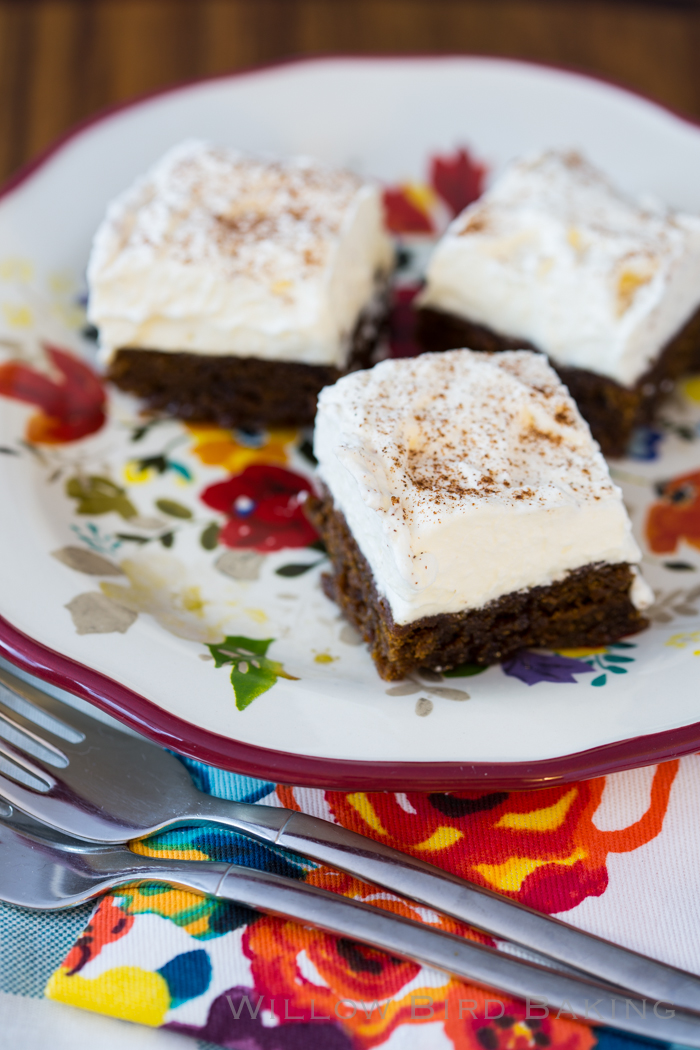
point(608, 662)
point(465, 671)
point(210, 536)
point(174, 509)
point(99, 495)
point(252, 673)
point(297, 569)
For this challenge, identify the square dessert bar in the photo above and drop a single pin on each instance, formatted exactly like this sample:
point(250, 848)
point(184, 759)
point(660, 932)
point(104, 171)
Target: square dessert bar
point(553, 258)
point(468, 513)
point(230, 289)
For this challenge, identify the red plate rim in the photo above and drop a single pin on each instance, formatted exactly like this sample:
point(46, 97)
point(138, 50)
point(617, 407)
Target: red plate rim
point(341, 774)
point(285, 767)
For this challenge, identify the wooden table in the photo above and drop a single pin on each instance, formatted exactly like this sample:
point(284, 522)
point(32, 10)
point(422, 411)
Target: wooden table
point(61, 60)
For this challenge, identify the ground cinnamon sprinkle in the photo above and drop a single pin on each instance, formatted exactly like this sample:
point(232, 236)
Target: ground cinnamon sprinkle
point(463, 515)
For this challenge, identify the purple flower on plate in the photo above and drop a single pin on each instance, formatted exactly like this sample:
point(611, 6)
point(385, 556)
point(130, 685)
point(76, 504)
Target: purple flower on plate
point(532, 667)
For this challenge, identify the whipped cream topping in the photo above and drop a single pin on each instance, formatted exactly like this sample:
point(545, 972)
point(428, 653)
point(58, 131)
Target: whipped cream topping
point(214, 252)
point(554, 255)
point(465, 476)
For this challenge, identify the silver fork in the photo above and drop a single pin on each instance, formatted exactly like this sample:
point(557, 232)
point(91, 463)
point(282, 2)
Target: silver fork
point(97, 783)
point(43, 868)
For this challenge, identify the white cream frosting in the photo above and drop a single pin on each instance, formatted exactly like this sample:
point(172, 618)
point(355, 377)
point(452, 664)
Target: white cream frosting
point(466, 476)
point(214, 252)
point(554, 255)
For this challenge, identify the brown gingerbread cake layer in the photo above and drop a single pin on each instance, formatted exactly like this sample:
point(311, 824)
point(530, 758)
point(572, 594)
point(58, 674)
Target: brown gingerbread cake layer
point(611, 410)
point(590, 607)
point(246, 392)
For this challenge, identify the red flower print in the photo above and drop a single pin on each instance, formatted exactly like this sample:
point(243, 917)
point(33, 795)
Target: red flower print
point(69, 409)
point(338, 974)
point(108, 924)
point(413, 207)
point(402, 215)
point(458, 179)
point(539, 847)
point(264, 505)
point(676, 514)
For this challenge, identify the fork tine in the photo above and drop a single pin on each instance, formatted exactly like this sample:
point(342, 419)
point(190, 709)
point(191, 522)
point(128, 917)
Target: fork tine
point(29, 729)
point(28, 764)
point(71, 719)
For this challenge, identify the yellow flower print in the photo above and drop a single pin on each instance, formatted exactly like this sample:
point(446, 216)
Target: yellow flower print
point(588, 650)
point(218, 447)
point(138, 471)
point(17, 316)
point(691, 388)
point(324, 658)
point(135, 473)
point(680, 641)
point(127, 992)
point(421, 195)
point(14, 268)
point(159, 587)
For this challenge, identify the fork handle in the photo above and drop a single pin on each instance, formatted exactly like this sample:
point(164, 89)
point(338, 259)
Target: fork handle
point(472, 962)
point(374, 862)
point(544, 990)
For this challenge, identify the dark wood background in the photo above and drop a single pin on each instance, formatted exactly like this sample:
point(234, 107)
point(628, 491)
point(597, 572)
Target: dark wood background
point(61, 60)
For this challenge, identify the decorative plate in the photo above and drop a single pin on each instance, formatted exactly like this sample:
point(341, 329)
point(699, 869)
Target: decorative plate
point(167, 573)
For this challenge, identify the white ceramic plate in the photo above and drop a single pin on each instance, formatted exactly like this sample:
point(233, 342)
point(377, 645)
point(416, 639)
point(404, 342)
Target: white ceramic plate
point(132, 631)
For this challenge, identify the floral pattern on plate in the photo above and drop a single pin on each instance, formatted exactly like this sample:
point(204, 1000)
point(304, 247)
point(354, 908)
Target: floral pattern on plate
point(199, 531)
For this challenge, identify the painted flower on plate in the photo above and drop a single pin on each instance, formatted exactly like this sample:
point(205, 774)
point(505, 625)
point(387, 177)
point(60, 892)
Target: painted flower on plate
point(264, 505)
point(425, 207)
point(162, 587)
point(532, 667)
point(676, 514)
point(459, 179)
point(71, 406)
point(234, 450)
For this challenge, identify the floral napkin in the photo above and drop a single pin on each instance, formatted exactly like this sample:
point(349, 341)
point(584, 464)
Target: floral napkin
point(617, 856)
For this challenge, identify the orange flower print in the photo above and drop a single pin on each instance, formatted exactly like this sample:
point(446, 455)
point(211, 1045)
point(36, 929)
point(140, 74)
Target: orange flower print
point(108, 924)
point(538, 847)
point(297, 964)
point(293, 964)
point(70, 407)
point(481, 1028)
point(348, 886)
point(235, 449)
point(676, 514)
point(306, 975)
